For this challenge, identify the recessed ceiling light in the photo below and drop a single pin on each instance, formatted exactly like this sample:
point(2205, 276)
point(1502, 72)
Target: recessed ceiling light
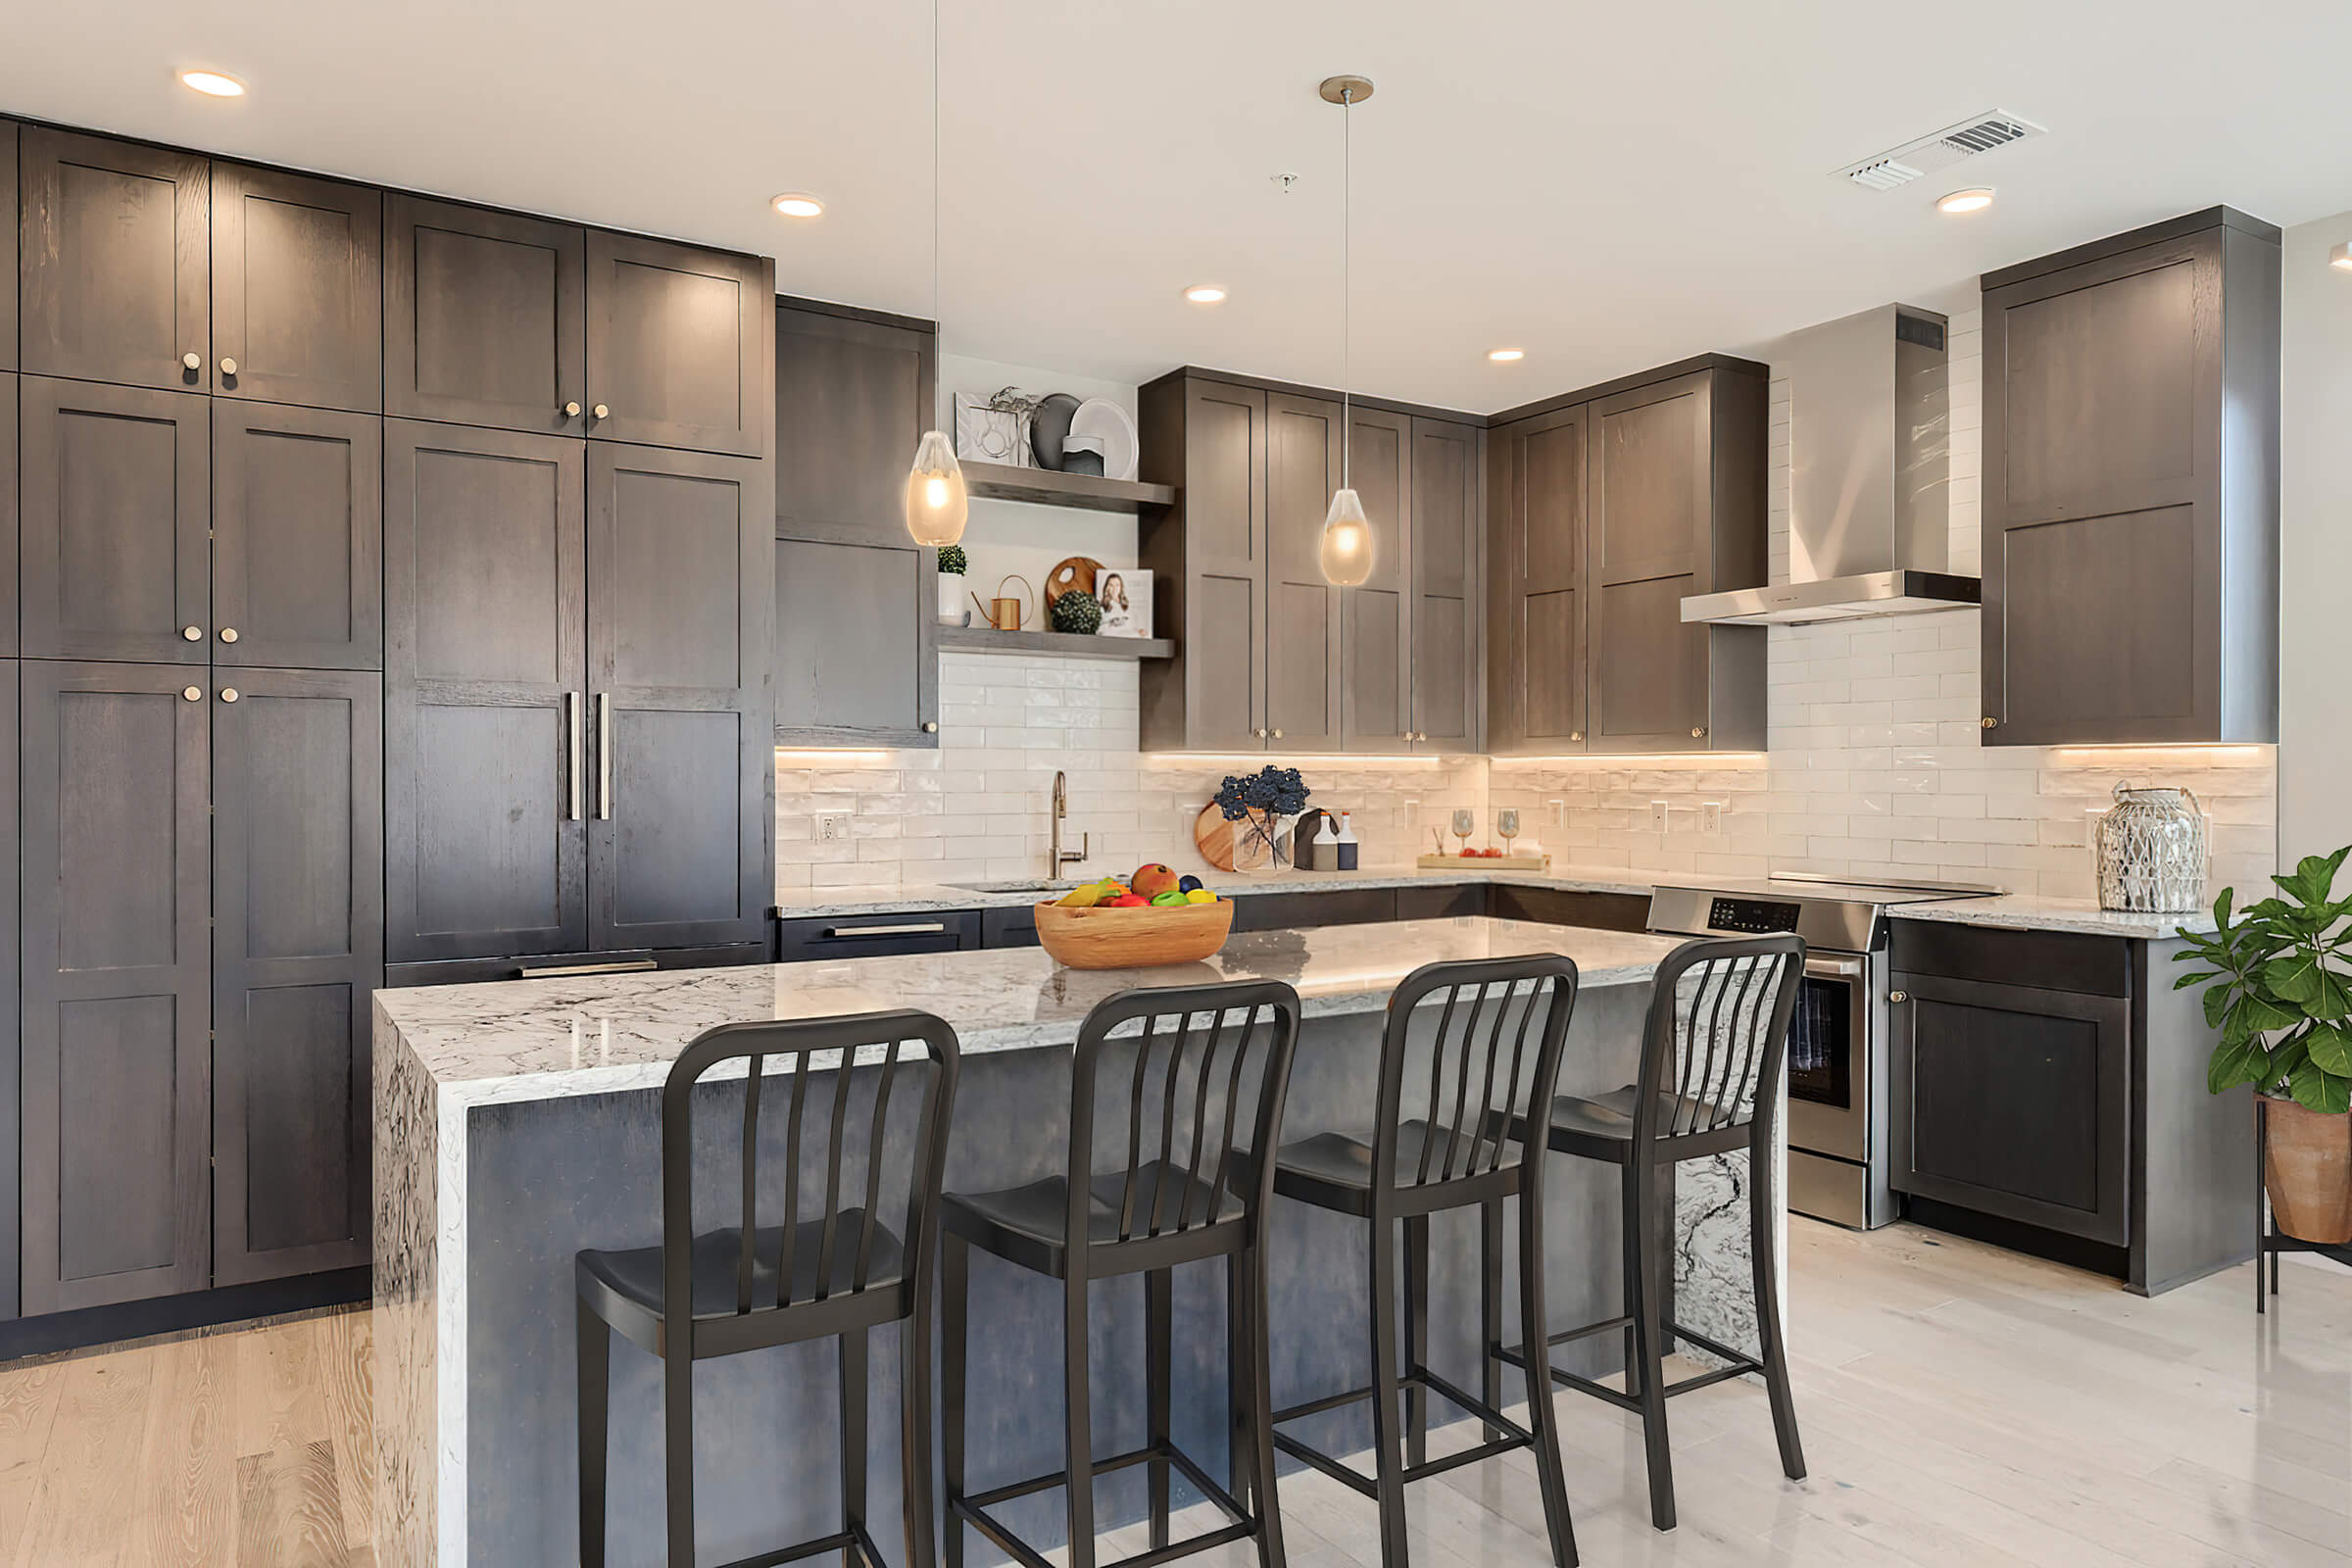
point(1505, 355)
point(1204, 294)
point(1974, 200)
point(2341, 256)
point(213, 84)
point(797, 204)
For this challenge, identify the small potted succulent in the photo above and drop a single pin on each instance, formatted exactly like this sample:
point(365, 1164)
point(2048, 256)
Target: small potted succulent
point(2278, 978)
point(952, 566)
point(1260, 805)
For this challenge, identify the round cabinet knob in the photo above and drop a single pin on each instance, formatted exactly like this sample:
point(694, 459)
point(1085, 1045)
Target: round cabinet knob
point(193, 634)
point(193, 361)
point(571, 410)
point(228, 693)
point(192, 693)
point(229, 634)
point(930, 726)
point(1898, 996)
point(601, 411)
point(1988, 722)
point(1698, 732)
point(1278, 734)
point(1576, 734)
point(228, 366)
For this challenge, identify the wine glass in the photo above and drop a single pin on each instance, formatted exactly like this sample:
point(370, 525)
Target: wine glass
point(1506, 826)
point(1465, 823)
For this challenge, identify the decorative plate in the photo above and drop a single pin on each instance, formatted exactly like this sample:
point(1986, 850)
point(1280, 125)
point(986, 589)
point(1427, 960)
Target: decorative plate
point(1108, 424)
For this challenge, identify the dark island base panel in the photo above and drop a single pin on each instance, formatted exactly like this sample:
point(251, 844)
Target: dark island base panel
point(176, 1314)
point(2075, 1252)
point(585, 1172)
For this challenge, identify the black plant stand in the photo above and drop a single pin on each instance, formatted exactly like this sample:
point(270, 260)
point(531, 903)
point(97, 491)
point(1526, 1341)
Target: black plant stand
point(2269, 1240)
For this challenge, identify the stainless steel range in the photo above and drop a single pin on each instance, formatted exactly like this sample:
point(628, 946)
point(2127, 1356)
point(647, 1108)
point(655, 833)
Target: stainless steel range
point(1837, 1113)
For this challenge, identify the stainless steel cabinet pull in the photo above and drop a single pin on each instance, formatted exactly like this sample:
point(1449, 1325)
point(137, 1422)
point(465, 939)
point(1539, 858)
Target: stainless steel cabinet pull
point(571, 410)
point(617, 966)
point(192, 360)
point(228, 366)
point(575, 745)
point(604, 756)
point(916, 928)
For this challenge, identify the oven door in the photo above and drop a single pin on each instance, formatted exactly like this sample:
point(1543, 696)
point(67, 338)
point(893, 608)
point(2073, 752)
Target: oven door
point(1828, 1058)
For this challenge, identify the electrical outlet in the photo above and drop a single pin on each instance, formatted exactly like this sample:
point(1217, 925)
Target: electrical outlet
point(832, 826)
point(1409, 814)
point(1559, 812)
point(1710, 816)
point(1658, 816)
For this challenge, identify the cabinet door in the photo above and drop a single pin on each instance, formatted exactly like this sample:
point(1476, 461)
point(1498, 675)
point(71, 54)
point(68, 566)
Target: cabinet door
point(8, 244)
point(117, 984)
point(485, 317)
point(8, 516)
point(298, 536)
point(680, 549)
point(1536, 676)
point(117, 268)
point(2015, 1101)
point(297, 950)
point(853, 398)
point(1376, 625)
point(2102, 500)
point(854, 638)
point(1651, 491)
point(1224, 521)
point(679, 345)
point(298, 289)
point(1446, 611)
point(116, 548)
point(11, 1095)
point(486, 790)
point(1302, 610)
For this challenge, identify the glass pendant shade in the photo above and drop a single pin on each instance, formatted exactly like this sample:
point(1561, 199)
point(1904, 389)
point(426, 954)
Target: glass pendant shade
point(1347, 552)
point(936, 505)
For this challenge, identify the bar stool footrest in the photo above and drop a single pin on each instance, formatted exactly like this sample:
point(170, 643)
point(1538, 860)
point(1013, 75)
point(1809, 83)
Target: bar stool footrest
point(841, 1539)
point(973, 1506)
point(1514, 1435)
point(1737, 1364)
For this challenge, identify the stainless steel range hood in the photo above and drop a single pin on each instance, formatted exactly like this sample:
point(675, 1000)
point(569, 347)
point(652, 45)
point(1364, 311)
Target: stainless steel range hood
point(1869, 478)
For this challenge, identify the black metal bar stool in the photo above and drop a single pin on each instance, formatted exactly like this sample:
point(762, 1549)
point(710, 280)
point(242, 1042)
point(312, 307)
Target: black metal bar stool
point(1712, 1052)
point(1187, 1194)
point(836, 1274)
point(1446, 1149)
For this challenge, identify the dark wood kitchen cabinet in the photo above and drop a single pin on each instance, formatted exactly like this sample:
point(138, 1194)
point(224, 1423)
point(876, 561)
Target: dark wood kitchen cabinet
point(297, 290)
point(298, 537)
point(682, 823)
point(1209, 559)
point(8, 516)
point(116, 503)
point(2132, 488)
point(1445, 579)
point(115, 276)
point(297, 902)
point(856, 606)
point(10, 1015)
point(485, 728)
point(9, 136)
point(1536, 605)
point(117, 982)
point(485, 317)
point(1302, 610)
point(1375, 623)
point(679, 345)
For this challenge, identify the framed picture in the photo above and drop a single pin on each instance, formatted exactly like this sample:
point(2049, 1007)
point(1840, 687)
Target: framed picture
point(991, 436)
point(1125, 593)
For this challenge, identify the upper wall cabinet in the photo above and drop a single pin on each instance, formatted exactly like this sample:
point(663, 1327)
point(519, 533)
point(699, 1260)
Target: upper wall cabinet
point(1302, 610)
point(520, 323)
point(1207, 555)
point(297, 290)
point(2132, 489)
point(8, 244)
point(8, 516)
point(1376, 620)
point(1444, 573)
point(850, 389)
point(115, 277)
point(1607, 509)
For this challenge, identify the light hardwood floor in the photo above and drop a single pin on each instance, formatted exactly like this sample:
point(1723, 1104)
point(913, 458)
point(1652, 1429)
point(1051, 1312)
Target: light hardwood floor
point(1960, 1406)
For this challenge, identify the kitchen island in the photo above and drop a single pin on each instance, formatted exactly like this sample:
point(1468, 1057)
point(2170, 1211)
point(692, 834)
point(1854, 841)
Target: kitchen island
point(518, 1122)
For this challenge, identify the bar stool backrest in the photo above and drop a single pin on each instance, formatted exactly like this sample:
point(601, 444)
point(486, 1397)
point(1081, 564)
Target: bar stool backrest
point(1494, 1056)
point(1215, 1049)
point(1716, 1040)
point(912, 1058)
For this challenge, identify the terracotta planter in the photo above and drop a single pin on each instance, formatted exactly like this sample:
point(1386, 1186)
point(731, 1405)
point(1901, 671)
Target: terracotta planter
point(2309, 1175)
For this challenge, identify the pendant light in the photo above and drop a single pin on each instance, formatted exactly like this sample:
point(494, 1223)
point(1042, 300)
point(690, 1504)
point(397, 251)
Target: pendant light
point(936, 504)
point(1346, 549)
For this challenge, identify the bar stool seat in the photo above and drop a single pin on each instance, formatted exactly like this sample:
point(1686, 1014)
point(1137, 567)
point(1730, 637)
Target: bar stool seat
point(1601, 1126)
point(1026, 1225)
point(1333, 1170)
point(633, 1279)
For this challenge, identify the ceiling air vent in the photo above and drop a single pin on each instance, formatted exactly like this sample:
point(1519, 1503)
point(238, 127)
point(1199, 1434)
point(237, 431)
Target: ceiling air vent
point(1979, 133)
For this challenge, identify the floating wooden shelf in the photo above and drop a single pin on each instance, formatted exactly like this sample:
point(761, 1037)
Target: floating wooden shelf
point(999, 481)
point(1056, 644)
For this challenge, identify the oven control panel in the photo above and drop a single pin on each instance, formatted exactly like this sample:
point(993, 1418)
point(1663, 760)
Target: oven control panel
point(1751, 916)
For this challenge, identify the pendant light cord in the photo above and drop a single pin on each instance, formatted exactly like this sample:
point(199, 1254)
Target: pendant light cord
point(1346, 285)
point(935, 169)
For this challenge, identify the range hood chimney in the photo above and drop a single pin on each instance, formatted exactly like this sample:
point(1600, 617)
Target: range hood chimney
point(1869, 478)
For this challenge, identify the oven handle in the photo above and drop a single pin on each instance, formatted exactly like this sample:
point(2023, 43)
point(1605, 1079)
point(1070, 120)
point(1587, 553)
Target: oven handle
point(1829, 968)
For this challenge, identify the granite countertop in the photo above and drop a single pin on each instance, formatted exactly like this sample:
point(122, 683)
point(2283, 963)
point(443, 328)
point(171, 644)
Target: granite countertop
point(521, 1039)
point(922, 897)
point(2030, 911)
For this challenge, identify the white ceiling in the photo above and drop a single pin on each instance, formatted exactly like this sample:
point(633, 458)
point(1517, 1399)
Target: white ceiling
point(1608, 186)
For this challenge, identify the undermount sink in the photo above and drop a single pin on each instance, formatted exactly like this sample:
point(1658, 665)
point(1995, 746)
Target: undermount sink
point(1032, 885)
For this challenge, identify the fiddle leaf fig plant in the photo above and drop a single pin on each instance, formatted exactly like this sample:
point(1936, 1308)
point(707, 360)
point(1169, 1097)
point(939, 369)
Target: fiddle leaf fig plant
point(2278, 978)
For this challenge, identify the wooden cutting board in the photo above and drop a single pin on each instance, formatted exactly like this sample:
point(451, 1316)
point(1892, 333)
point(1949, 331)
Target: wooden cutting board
point(1212, 836)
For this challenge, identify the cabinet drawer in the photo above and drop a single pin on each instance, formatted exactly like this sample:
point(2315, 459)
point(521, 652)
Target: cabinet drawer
point(2050, 960)
point(1444, 903)
point(877, 936)
point(1291, 912)
point(1015, 927)
point(472, 971)
point(1598, 912)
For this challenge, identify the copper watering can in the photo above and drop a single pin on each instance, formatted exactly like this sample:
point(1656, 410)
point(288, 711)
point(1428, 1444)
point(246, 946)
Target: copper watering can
point(1007, 614)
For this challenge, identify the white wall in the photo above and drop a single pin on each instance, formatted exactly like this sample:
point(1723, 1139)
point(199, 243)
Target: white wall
point(2315, 699)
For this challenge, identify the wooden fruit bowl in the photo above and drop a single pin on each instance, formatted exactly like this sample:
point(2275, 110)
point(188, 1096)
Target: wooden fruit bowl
point(1133, 938)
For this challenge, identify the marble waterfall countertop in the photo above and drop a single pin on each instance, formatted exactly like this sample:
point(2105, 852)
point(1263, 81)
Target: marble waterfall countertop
point(2030, 911)
point(520, 1040)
